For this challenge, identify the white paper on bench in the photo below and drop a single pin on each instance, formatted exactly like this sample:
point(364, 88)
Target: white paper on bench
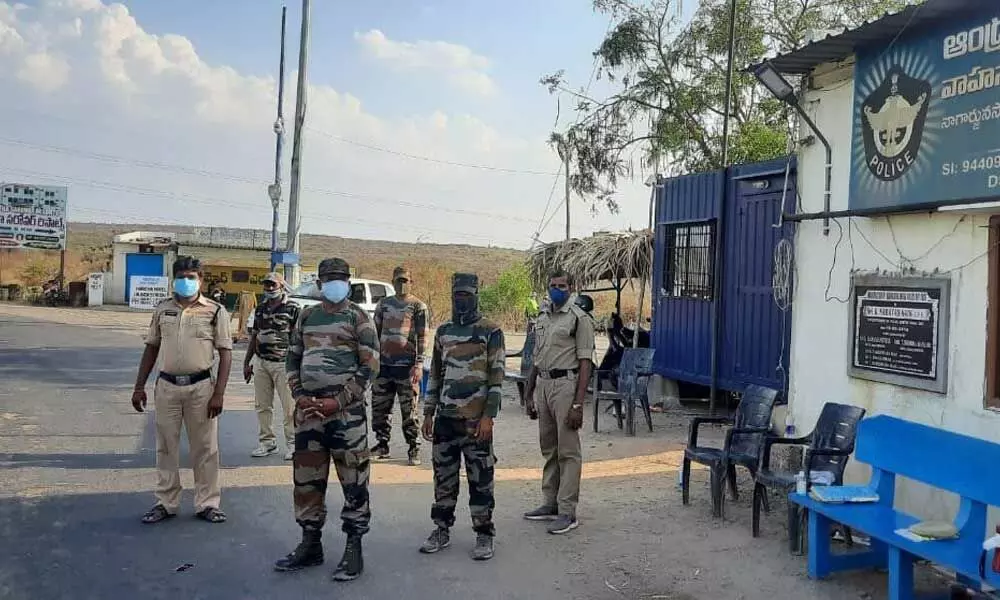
point(913, 537)
point(819, 477)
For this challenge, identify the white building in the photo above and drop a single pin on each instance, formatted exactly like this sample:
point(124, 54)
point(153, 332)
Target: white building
point(138, 253)
point(915, 166)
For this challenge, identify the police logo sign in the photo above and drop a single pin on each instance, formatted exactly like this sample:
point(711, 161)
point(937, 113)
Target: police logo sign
point(893, 124)
point(926, 117)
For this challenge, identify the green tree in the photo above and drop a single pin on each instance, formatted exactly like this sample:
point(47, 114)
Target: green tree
point(505, 300)
point(669, 76)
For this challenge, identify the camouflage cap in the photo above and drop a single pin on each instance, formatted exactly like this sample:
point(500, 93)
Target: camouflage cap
point(465, 282)
point(400, 272)
point(274, 277)
point(333, 266)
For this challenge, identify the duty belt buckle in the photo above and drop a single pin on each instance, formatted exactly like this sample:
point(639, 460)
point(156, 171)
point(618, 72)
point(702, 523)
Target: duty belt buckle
point(183, 380)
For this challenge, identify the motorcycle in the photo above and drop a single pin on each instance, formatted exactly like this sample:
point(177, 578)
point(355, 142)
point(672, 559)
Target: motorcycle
point(55, 296)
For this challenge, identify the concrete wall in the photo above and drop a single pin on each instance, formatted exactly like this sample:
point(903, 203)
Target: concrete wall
point(820, 335)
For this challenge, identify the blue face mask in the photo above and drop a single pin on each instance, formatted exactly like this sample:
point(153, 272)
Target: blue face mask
point(558, 296)
point(186, 288)
point(335, 291)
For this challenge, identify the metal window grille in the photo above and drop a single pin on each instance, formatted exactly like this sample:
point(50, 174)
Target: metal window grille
point(688, 270)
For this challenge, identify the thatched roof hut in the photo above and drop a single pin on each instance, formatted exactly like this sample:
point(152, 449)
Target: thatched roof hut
point(612, 259)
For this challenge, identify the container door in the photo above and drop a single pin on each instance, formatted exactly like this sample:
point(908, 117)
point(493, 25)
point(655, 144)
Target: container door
point(756, 325)
point(150, 265)
point(683, 270)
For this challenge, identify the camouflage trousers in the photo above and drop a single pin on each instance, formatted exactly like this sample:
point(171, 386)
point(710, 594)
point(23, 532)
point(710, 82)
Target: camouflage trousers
point(342, 438)
point(453, 440)
point(392, 382)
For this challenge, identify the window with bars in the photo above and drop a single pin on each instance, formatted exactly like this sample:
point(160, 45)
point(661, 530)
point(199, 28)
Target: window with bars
point(688, 270)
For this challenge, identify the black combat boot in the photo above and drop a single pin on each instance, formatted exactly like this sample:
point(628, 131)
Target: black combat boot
point(413, 456)
point(381, 451)
point(309, 552)
point(353, 563)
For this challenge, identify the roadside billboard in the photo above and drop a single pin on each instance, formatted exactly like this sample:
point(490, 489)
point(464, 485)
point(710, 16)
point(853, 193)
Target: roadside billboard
point(32, 217)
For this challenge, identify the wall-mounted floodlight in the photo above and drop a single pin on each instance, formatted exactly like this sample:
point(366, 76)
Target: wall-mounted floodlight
point(772, 79)
point(775, 83)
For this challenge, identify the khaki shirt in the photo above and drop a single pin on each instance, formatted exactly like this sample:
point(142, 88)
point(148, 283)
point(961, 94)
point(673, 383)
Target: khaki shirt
point(555, 345)
point(186, 337)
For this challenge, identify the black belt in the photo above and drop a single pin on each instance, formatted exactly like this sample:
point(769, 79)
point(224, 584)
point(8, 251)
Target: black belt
point(557, 373)
point(184, 380)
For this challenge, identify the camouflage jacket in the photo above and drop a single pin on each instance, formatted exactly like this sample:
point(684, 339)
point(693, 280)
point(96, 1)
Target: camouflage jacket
point(330, 349)
point(402, 330)
point(467, 370)
point(273, 326)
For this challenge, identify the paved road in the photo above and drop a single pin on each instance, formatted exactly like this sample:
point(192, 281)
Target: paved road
point(68, 435)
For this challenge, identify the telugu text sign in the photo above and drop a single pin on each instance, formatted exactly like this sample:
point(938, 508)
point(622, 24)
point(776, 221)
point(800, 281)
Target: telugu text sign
point(32, 216)
point(927, 118)
point(145, 292)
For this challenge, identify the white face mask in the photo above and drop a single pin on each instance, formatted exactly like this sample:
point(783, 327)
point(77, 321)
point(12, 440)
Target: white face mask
point(272, 295)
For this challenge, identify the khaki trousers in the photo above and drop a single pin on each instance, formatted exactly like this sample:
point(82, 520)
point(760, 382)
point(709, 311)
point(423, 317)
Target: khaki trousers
point(560, 445)
point(269, 377)
point(188, 406)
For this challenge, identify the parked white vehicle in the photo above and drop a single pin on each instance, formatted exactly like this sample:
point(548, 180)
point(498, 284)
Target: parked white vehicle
point(364, 292)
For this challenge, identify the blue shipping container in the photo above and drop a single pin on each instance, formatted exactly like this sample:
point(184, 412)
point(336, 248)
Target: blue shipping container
point(740, 208)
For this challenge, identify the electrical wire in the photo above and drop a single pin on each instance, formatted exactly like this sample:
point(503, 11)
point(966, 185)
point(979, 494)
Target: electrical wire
point(172, 168)
point(590, 81)
point(450, 163)
point(852, 226)
point(202, 200)
point(913, 261)
point(344, 140)
point(827, 296)
point(781, 277)
point(873, 246)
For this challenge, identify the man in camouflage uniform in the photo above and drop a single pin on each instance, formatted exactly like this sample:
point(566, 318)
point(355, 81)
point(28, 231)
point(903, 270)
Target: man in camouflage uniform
point(272, 325)
point(332, 358)
point(463, 398)
point(401, 321)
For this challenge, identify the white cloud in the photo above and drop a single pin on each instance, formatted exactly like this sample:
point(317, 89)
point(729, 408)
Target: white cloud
point(45, 71)
point(459, 64)
point(107, 99)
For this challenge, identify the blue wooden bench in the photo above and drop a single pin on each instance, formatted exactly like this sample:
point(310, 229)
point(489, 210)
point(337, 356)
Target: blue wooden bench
point(959, 464)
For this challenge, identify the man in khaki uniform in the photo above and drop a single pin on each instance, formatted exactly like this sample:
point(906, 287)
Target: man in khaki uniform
point(186, 330)
point(554, 393)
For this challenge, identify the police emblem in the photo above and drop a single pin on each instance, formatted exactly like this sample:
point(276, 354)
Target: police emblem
point(893, 118)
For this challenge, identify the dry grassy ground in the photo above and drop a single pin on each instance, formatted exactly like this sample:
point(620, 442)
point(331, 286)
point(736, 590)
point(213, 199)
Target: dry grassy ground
point(89, 249)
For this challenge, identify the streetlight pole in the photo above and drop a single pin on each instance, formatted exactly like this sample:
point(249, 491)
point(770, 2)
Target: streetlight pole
point(567, 193)
point(294, 217)
point(274, 190)
point(717, 259)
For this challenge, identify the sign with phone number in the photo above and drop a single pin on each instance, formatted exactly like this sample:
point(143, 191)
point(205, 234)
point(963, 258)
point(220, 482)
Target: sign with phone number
point(927, 118)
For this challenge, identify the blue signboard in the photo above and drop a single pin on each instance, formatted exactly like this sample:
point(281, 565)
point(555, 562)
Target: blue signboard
point(927, 118)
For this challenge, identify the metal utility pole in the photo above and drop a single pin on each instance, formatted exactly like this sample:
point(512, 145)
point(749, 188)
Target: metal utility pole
point(274, 190)
point(729, 84)
point(567, 190)
point(294, 217)
point(717, 259)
